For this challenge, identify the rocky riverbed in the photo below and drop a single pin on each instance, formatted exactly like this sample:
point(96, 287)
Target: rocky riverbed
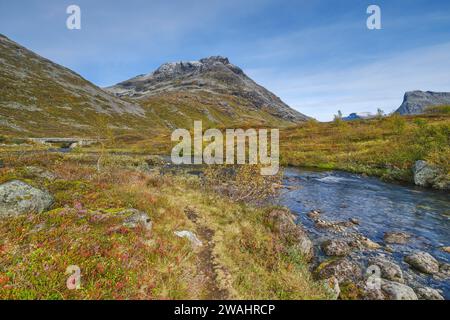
point(372, 239)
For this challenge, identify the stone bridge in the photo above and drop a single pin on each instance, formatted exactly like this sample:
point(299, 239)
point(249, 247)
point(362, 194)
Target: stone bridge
point(70, 142)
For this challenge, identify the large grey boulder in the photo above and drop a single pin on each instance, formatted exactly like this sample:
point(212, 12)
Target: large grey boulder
point(427, 175)
point(426, 293)
point(397, 291)
point(423, 262)
point(343, 270)
point(416, 102)
point(389, 270)
point(17, 198)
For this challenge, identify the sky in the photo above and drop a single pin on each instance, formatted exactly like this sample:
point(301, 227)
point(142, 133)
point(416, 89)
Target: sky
point(317, 56)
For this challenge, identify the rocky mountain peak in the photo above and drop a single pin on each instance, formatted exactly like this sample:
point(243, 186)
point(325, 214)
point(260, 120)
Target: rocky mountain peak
point(415, 102)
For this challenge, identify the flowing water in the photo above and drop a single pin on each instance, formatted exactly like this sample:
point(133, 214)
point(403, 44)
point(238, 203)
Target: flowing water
point(380, 207)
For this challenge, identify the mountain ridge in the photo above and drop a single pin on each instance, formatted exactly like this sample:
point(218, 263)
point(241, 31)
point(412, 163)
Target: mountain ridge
point(415, 102)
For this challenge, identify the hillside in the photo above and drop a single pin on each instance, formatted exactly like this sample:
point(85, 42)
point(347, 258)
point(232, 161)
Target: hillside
point(41, 98)
point(212, 89)
point(416, 102)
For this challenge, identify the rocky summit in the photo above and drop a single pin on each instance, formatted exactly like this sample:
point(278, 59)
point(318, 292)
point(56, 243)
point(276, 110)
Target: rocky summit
point(213, 76)
point(416, 102)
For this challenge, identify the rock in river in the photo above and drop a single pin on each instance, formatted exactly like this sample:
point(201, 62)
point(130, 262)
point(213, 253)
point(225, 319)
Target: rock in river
point(337, 248)
point(429, 294)
point(423, 262)
point(17, 197)
point(427, 175)
point(389, 270)
point(342, 269)
point(397, 291)
point(396, 237)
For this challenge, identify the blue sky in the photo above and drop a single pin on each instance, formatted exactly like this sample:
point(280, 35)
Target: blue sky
point(318, 56)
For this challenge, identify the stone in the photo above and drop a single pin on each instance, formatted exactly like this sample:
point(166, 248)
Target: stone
point(427, 175)
point(17, 198)
point(41, 173)
point(397, 291)
point(426, 293)
point(342, 269)
point(284, 223)
point(354, 221)
point(423, 262)
point(135, 218)
point(396, 237)
point(195, 242)
point(337, 248)
point(446, 249)
point(332, 286)
point(389, 270)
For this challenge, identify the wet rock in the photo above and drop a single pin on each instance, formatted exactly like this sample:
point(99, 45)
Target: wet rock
point(135, 218)
point(337, 248)
point(283, 221)
point(362, 242)
point(354, 221)
point(389, 270)
point(313, 215)
point(423, 262)
point(397, 291)
point(446, 249)
point(342, 269)
point(396, 237)
point(426, 293)
point(444, 271)
point(336, 226)
point(195, 242)
point(17, 197)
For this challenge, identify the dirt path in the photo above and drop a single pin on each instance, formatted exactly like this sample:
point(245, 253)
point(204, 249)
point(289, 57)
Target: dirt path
point(207, 266)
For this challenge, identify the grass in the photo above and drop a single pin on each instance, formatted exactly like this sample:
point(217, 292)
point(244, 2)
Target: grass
point(248, 259)
point(386, 147)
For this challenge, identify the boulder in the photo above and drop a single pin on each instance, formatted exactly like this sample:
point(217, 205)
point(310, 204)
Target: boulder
point(426, 293)
point(337, 248)
point(423, 262)
point(389, 270)
point(283, 222)
point(17, 198)
point(396, 237)
point(446, 249)
point(397, 291)
point(428, 175)
point(195, 242)
point(134, 218)
point(342, 269)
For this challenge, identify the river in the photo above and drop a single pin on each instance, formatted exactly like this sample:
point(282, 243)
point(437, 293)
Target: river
point(380, 207)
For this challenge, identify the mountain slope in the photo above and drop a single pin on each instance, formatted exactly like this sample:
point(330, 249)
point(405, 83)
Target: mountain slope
point(213, 87)
point(41, 98)
point(415, 102)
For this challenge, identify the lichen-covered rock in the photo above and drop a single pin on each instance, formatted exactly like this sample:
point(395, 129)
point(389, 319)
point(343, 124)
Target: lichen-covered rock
point(429, 294)
point(332, 286)
point(397, 291)
point(423, 262)
point(337, 248)
point(389, 270)
point(17, 198)
point(134, 218)
point(41, 173)
point(342, 269)
point(427, 175)
point(195, 242)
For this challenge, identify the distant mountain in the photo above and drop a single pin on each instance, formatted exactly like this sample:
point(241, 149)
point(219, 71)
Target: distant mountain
point(212, 86)
point(41, 98)
point(415, 102)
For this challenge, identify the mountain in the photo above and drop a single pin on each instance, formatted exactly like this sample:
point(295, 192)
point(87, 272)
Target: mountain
point(221, 90)
point(41, 98)
point(415, 102)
